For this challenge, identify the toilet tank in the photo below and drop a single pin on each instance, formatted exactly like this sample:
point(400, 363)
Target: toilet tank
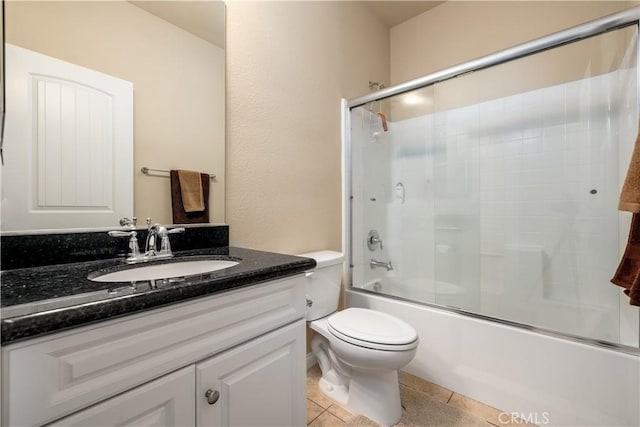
point(323, 283)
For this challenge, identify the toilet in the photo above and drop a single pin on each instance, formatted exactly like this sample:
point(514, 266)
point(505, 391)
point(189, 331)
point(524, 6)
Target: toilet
point(359, 350)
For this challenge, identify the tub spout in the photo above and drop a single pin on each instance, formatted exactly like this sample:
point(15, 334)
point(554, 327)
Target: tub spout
point(373, 264)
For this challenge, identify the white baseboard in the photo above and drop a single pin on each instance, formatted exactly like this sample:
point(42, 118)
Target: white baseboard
point(311, 361)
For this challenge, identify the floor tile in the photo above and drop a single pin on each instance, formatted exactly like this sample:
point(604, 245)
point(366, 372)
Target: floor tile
point(313, 390)
point(476, 408)
point(434, 391)
point(313, 410)
point(340, 412)
point(360, 421)
point(327, 419)
point(422, 410)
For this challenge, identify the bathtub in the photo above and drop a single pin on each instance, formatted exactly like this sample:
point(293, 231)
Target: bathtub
point(544, 379)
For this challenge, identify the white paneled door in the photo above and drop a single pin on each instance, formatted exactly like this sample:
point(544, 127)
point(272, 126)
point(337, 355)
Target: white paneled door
point(68, 147)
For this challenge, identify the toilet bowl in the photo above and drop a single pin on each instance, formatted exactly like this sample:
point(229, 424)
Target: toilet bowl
point(359, 350)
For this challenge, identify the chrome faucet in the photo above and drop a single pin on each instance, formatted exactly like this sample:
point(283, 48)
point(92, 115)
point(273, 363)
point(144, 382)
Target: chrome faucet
point(153, 233)
point(151, 251)
point(373, 264)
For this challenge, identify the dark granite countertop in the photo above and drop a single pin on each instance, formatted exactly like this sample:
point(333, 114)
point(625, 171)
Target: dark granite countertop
point(42, 300)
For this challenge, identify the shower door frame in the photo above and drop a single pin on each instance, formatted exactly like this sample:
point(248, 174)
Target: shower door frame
point(623, 19)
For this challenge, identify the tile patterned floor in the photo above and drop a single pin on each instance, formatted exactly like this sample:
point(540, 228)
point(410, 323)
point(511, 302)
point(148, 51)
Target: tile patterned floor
point(422, 402)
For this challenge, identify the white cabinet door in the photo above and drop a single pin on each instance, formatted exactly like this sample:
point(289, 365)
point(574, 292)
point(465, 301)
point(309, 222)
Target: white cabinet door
point(167, 401)
point(259, 383)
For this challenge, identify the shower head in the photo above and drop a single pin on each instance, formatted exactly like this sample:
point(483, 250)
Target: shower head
point(376, 85)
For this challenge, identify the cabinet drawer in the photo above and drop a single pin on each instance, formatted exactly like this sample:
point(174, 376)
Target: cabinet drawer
point(51, 377)
point(167, 401)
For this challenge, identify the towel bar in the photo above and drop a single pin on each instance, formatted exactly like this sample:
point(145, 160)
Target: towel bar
point(147, 171)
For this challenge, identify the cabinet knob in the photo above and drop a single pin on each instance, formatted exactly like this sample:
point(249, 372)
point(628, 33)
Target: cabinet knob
point(212, 396)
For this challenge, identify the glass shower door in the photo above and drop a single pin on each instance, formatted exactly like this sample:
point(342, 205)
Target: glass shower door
point(496, 192)
point(393, 196)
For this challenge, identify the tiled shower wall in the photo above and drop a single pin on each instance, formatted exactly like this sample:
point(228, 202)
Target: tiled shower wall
point(509, 207)
point(549, 192)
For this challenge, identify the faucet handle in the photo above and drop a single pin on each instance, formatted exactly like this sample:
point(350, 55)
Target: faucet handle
point(373, 241)
point(134, 254)
point(164, 231)
point(165, 245)
point(128, 223)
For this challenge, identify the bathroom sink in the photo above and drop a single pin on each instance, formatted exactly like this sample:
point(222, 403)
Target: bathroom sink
point(178, 268)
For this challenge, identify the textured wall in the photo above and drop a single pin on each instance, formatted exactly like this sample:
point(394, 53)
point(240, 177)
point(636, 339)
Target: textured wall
point(288, 66)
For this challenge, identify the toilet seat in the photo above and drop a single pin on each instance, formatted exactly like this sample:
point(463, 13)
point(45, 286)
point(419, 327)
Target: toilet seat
point(372, 329)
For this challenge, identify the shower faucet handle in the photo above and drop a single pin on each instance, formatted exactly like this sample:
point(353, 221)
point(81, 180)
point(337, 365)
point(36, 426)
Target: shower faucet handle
point(373, 240)
point(376, 240)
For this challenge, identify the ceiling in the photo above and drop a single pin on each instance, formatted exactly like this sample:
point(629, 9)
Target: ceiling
point(198, 16)
point(393, 13)
point(205, 19)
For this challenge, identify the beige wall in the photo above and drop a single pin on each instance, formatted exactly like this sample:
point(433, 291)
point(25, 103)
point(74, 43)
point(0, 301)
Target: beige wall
point(458, 31)
point(177, 77)
point(288, 66)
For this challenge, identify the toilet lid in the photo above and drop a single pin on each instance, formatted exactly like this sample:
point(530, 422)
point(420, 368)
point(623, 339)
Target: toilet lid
point(372, 327)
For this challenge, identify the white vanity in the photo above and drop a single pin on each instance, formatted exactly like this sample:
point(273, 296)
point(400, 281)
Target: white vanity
point(233, 358)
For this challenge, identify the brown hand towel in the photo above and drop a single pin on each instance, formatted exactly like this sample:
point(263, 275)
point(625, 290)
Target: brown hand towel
point(630, 195)
point(191, 191)
point(180, 214)
point(628, 272)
